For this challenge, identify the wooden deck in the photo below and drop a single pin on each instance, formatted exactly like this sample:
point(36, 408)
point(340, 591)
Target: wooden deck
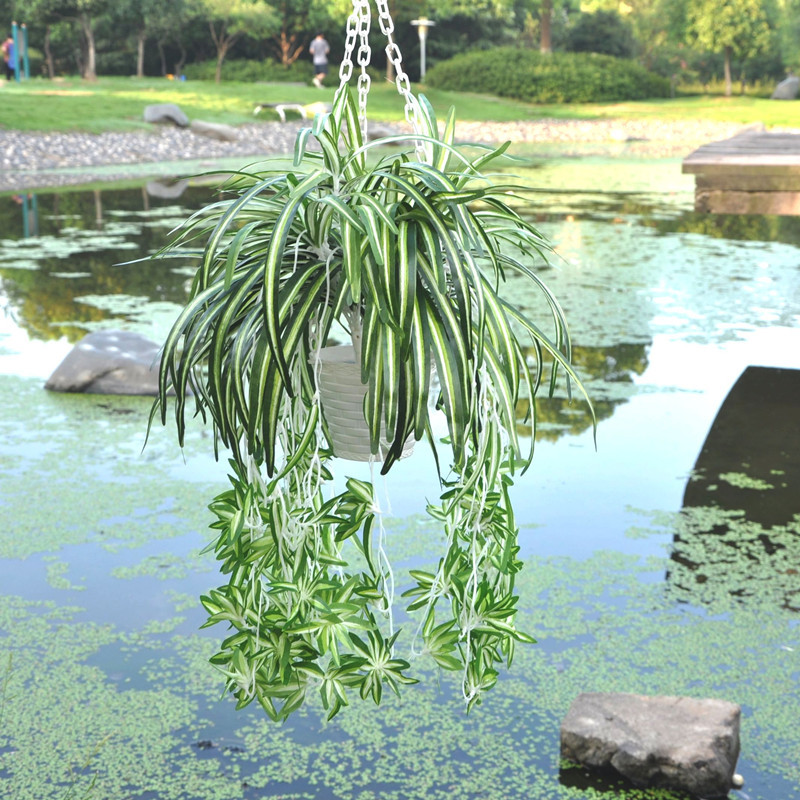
point(751, 173)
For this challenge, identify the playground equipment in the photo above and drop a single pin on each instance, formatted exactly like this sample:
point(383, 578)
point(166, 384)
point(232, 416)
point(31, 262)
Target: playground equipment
point(19, 34)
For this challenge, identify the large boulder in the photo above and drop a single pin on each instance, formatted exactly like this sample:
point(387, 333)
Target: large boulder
point(787, 89)
point(677, 743)
point(109, 362)
point(169, 113)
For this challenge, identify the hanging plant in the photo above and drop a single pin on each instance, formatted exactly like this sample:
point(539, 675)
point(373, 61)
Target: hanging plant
point(408, 254)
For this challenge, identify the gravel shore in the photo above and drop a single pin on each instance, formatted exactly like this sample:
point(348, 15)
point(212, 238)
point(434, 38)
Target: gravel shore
point(39, 160)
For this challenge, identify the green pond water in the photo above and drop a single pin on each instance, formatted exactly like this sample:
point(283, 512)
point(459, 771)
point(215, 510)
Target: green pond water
point(652, 565)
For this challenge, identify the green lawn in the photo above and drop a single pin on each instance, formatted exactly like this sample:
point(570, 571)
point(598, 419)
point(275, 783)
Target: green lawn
point(113, 104)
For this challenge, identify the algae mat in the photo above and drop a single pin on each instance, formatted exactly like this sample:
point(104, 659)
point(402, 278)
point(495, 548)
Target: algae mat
point(105, 689)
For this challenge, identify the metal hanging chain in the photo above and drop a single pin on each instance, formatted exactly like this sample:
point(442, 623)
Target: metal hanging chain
point(364, 57)
point(346, 67)
point(394, 55)
point(358, 27)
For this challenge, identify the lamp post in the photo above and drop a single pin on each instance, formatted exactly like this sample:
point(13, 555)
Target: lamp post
point(422, 24)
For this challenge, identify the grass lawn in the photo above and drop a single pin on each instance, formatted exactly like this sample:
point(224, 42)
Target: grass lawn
point(116, 104)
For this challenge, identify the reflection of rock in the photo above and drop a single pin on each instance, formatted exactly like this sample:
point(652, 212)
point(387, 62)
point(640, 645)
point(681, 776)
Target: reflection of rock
point(166, 113)
point(109, 362)
point(676, 743)
point(166, 189)
point(739, 532)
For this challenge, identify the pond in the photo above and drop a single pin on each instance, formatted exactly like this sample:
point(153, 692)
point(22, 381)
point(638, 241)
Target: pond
point(660, 559)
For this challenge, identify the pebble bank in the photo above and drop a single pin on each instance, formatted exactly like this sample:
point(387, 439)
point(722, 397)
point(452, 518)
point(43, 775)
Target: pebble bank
point(38, 160)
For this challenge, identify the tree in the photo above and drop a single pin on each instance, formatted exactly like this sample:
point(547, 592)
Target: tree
point(84, 14)
point(467, 24)
point(541, 24)
point(546, 23)
point(146, 19)
point(230, 20)
point(789, 33)
point(170, 25)
point(402, 12)
point(738, 27)
point(131, 16)
point(297, 20)
point(290, 38)
point(602, 32)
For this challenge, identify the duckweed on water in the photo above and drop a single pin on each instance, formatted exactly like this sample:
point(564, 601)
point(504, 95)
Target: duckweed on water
point(57, 575)
point(166, 566)
point(743, 481)
point(721, 559)
point(151, 319)
point(71, 445)
point(29, 253)
point(601, 627)
point(714, 616)
point(608, 622)
point(603, 624)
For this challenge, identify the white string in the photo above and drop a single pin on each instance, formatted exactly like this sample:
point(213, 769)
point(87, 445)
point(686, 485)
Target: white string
point(385, 565)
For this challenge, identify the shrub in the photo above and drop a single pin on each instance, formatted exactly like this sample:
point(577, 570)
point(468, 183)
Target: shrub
point(251, 71)
point(530, 76)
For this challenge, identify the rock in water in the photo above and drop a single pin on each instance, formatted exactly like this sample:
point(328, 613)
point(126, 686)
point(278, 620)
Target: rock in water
point(678, 743)
point(109, 362)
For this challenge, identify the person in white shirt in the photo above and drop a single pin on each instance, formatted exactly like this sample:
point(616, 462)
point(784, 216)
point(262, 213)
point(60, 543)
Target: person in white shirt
point(319, 50)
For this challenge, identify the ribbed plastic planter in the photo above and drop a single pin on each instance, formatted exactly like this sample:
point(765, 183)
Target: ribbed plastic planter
point(342, 395)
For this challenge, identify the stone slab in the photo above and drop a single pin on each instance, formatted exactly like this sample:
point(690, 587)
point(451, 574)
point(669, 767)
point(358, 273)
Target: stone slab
point(678, 743)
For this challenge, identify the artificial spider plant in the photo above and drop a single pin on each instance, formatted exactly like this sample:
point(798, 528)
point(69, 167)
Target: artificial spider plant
point(409, 254)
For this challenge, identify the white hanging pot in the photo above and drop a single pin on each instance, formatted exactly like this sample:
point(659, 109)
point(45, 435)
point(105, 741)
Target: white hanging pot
point(342, 395)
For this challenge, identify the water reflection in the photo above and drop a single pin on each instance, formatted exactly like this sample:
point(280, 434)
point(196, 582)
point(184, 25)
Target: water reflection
point(29, 206)
point(733, 227)
point(608, 374)
point(740, 530)
point(53, 271)
point(665, 315)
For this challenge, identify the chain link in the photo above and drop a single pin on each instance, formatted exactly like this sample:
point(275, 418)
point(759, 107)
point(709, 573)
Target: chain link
point(358, 27)
point(395, 57)
point(364, 58)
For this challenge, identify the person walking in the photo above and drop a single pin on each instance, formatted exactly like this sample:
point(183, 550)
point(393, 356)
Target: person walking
point(319, 50)
point(9, 58)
